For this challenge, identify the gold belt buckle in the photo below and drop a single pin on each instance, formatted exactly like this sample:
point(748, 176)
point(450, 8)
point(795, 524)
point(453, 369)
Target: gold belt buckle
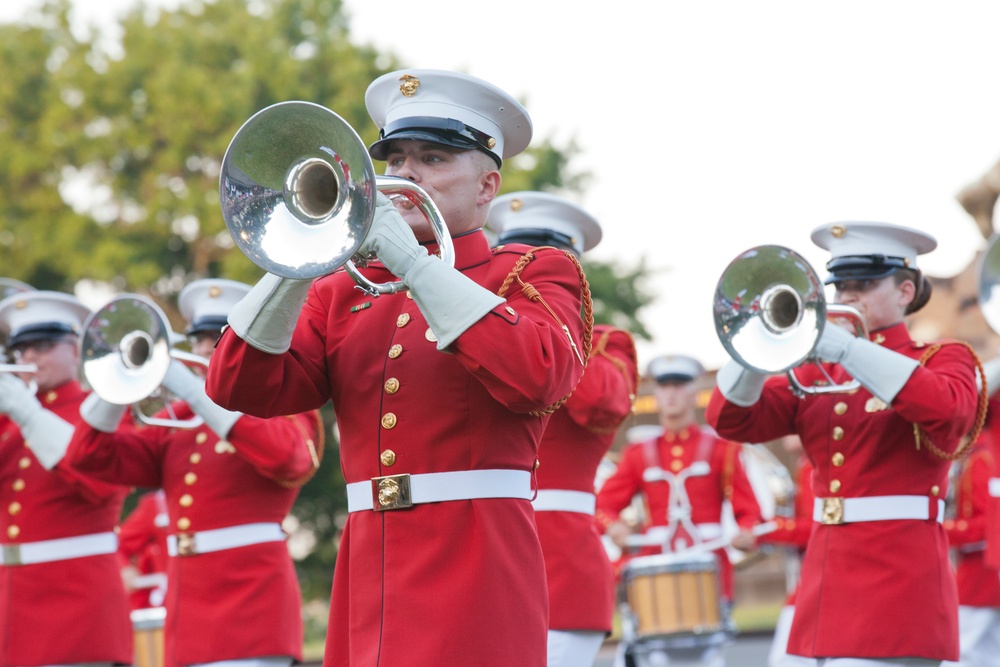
point(12, 554)
point(391, 493)
point(833, 511)
point(185, 544)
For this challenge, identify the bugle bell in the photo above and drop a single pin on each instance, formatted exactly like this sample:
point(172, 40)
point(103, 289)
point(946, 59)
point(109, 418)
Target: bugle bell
point(125, 351)
point(298, 194)
point(770, 311)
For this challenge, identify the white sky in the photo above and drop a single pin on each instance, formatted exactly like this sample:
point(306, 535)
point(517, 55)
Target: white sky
point(712, 126)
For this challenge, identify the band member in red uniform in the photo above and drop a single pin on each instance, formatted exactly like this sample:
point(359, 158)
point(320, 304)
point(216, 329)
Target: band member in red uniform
point(441, 392)
point(978, 583)
point(62, 601)
point(142, 546)
point(683, 496)
point(232, 593)
point(880, 456)
point(579, 434)
point(792, 531)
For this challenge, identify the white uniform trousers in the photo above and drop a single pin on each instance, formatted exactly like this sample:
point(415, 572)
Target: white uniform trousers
point(573, 649)
point(978, 637)
point(779, 655)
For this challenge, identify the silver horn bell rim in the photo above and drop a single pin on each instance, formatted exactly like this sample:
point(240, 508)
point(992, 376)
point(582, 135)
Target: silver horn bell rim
point(298, 190)
point(769, 309)
point(125, 349)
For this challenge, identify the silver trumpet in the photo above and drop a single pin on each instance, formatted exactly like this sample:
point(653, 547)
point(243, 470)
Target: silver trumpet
point(770, 311)
point(298, 195)
point(125, 351)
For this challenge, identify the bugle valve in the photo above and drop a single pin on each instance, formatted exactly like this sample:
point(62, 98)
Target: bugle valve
point(125, 351)
point(770, 311)
point(298, 189)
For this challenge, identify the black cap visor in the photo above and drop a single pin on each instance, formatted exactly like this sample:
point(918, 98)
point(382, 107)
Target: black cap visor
point(863, 267)
point(38, 332)
point(206, 324)
point(445, 131)
point(538, 237)
point(673, 378)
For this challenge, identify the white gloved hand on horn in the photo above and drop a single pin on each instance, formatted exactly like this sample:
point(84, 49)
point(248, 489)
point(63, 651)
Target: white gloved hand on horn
point(881, 371)
point(44, 432)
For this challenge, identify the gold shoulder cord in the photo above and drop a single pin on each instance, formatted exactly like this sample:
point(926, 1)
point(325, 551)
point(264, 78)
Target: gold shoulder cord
point(630, 380)
point(921, 437)
point(588, 313)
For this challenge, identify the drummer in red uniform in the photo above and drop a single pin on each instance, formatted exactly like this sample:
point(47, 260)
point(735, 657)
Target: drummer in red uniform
point(62, 601)
point(579, 434)
point(442, 392)
point(877, 586)
point(978, 583)
point(232, 593)
point(686, 462)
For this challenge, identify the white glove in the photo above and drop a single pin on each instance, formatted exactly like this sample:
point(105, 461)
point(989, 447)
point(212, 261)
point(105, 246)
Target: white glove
point(266, 317)
point(191, 389)
point(741, 386)
point(391, 239)
point(450, 302)
point(44, 432)
point(100, 414)
point(881, 371)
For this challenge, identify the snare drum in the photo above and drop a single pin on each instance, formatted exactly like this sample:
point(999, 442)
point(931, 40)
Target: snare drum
point(147, 634)
point(676, 598)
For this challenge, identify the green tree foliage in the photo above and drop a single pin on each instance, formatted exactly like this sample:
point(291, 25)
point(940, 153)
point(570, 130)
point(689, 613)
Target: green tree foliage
point(110, 159)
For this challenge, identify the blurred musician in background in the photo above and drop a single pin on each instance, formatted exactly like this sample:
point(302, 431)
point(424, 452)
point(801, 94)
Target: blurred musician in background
point(978, 582)
point(62, 601)
point(442, 392)
point(578, 435)
point(232, 594)
point(142, 547)
point(684, 475)
point(793, 532)
point(876, 586)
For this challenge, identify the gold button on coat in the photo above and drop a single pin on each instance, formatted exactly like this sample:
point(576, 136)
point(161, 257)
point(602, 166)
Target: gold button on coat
point(190, 478)
point(391, 386)
point(834, 486)
point(195, 458)
point(838, 433)
point(402, 320)
point(840, 408)
point(13, 531)
point(23, 462)
point(51, 397)
point(395, 351)
point(676, 450)
point(224, 447)
point(14, 508)
point(183, 523)
point(201, 438)
point(18, 485)
point(838, 459)
point(186, 500)
point(935, 490)
point(676, 465)
point(388, 457)
point(388, 420)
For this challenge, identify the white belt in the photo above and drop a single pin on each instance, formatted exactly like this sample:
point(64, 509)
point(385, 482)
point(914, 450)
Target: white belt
point(402, 491)
point(706, 531)
point(995, 487)
point(559, 500)
point(835, 511)
point(64, 548)
point(219, 539)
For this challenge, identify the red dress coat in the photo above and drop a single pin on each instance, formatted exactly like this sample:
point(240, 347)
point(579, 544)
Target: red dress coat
point(874, 589)
point(795, 530)
point(675, 452)
point(450, 583)
point(579, 434)
point(65, 611)
point(991, 433)
point(235, 603)
point(142, 544)
point(978, 584)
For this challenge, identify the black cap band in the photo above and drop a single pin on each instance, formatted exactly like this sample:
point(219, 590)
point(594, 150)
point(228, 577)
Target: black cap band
point(41, 331)
point(863, 267)
point(212, 323)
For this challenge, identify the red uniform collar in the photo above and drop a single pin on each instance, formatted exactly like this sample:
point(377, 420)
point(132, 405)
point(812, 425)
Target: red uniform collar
point(471, 248)
point(893, 338)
